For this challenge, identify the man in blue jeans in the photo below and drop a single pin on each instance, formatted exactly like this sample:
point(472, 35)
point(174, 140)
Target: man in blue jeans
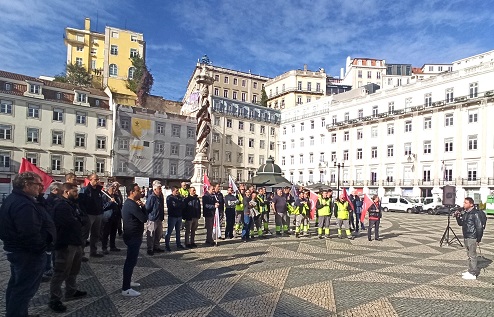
point(175, 206)
point(134, 215)
point(26, 231)
point(156, 209)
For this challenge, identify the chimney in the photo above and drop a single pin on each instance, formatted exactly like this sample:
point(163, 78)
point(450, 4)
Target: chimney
point(305, 67)
point(87, 24)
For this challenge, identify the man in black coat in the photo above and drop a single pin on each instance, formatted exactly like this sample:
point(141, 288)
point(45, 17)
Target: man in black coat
point(473, 230)
point(26, 231)
point(175, 206)
point(191, 215)
point(68, 248)
point(209, 205)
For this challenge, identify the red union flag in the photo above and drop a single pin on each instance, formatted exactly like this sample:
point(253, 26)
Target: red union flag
point(347, 199)
point(313, 201)
point(366, 203)
point(206, 183)
point(27, 166)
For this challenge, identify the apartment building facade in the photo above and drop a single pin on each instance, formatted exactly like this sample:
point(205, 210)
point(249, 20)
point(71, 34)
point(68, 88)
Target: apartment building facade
point(107, 56)
point(360, 71)
point(58, 127)
point(408, 140)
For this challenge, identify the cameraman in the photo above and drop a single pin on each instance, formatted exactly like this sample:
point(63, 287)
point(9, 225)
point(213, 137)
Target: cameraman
point(473, 230)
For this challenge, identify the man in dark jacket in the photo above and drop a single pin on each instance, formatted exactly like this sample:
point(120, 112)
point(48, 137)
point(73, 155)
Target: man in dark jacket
point(175, 206)
point(68, 248)
point(230, 202)
point(91, 203)
point(55, 193)
point(209, 205)
point(375, 215)
point(134, 215)
point(111, 218)
point(221, 200)
point(191, 216)
point(156, 209)
point(25, 231)
point(473, 230)
point(47, 205)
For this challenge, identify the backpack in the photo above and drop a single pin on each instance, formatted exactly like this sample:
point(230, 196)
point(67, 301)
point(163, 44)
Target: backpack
point(483, 218)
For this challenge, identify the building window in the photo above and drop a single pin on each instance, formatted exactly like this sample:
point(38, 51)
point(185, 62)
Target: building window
point(189, 150)
point(448, 145)
point(301, 159)
point(374, 132)
point(254, 98)
point(78, 61)
point(33, 111)
point(345, 155)
point(8, 86)
point(56, 162)
point(244, 96)
point(335, 119)
point(472, 142)
point(321, 157)
point(34, 89)
point(391, 129)
point(346, 136)
point(375, 111)
point(240, 125)
point(333, 156)
point(301, 142)
point(57, 138)
point(262, 144)
point(408, 149)
point(428, 100)
point(159, 148)
point(114, 50)
point(57, 114)
point(6, 107)
point(374, 152)
point(32, 135)
point(225, 93)
point(427, 123)
point(80, 140)
point(391, 107)
point(101, 122)
point(79, 164)
point(234, 95)
point(122, 167)
point(114, 34)
point(160, 128)
point(390, 151)
point(216, 91)
point(252, 127)
point(240, 158)
point(191, 133)
point(123, 144)
point(448, 120)
point(359, 74)
point(225, 80)
point(449, 95)
point(133, 52)
point(229, 123)
point(174, 149)
point(271, 146)
point(81, 97)
point(100, 166)
point(333, 137)
point(323, 122)
point(133, 38)
point(323, 139)
point(173, 168)
point(408, 126)
point(216, 138)
point(80, 117)
point(318, 87)
point(228, 139)
point(299, 85)
point(309, 86)
point(6, 132)
point(360, 134)
point(299, 100)
point(176, 130)
point(359, 154)
point(427, 147)
point(240, 141)
point(113, 70)
point(101, 142)
point(473, 116)
point(311, 158)
point(131, 72)
point(472, 172)
point(474, 89)
point(347, 116)
point(250, 159)
point(311, 140)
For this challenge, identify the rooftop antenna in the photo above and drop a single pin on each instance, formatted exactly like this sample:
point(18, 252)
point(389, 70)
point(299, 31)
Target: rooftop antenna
point(97, 20)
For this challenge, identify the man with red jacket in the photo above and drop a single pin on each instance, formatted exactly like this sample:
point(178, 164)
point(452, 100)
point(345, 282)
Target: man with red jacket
point(375, 214)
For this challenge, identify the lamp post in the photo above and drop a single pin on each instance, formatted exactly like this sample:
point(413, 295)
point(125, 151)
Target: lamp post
point(339, 166)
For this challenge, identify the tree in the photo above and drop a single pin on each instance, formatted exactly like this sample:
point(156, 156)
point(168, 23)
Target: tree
point(75, 75)
point(140, 81)
point(264, 98)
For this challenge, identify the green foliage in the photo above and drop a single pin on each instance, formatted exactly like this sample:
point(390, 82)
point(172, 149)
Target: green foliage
point(75, 75)
point(142, 80)
point(264, 98)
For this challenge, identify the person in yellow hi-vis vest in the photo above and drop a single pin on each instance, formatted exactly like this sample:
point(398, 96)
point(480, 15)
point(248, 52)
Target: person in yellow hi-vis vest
point(324, 207)
point(239, 210)
point(342, 212)
point(263, 204)
point(183, 192)
point(301, 211)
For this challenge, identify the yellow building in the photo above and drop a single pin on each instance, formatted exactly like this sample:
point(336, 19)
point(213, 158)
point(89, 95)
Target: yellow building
point(107, 56)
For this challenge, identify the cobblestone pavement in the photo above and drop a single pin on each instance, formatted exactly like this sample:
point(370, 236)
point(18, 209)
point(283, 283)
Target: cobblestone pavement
point(405, 274)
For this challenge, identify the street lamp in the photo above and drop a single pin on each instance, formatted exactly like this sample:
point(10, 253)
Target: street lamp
point(339, 165)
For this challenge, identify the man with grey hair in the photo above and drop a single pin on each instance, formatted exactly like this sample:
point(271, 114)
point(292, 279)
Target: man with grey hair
point(56, 192)
point(155, 205)
point(26, 232)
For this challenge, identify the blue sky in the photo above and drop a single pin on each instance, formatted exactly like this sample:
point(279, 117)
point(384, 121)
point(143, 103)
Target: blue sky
point(267, 37)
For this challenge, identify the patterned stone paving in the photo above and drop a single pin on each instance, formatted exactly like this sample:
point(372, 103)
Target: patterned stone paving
point(405, 274)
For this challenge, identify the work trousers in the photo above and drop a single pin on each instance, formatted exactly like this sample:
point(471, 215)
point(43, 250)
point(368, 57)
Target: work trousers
point(153, 238)
point(373, 223)
point(190, 230)
point(471, 247)
point(282, 220)
point(67, 267)
point(230, 222)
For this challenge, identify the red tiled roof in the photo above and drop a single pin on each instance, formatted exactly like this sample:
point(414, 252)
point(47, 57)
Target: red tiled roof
point(417, 70)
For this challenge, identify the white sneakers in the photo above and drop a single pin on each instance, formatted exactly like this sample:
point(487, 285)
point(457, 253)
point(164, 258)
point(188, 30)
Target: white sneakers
point(468, 276)
point(130, 293)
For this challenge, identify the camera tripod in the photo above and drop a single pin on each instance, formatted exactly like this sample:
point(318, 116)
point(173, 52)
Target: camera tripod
point(446, 238)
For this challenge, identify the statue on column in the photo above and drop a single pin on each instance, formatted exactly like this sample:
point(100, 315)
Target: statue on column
point(203, 122)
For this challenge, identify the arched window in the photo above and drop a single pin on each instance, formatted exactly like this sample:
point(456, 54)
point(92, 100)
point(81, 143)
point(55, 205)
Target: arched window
point(113, 70)
point(131, 72)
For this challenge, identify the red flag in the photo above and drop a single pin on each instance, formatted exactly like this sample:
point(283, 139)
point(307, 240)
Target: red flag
point(86, 182)
point(347, 199)
point(206, 183)
point(366, 203)
point(313, 201)
point(27, 166)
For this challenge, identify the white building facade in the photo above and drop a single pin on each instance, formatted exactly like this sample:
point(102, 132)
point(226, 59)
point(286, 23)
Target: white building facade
point(408, 140)
point(58, 127)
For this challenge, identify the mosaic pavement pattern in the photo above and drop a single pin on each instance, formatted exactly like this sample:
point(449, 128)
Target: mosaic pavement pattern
point(406, 274)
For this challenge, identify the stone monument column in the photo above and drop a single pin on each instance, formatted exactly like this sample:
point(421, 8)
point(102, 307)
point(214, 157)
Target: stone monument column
point(203, 130)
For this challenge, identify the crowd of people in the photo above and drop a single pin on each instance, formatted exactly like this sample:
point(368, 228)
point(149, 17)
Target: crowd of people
point(45, 236)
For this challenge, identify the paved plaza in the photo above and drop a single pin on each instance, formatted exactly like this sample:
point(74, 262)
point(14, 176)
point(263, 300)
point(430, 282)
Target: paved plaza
point(406, 274)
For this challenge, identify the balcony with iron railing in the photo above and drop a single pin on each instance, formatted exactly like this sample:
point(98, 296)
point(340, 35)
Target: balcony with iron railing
point(296, 90)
